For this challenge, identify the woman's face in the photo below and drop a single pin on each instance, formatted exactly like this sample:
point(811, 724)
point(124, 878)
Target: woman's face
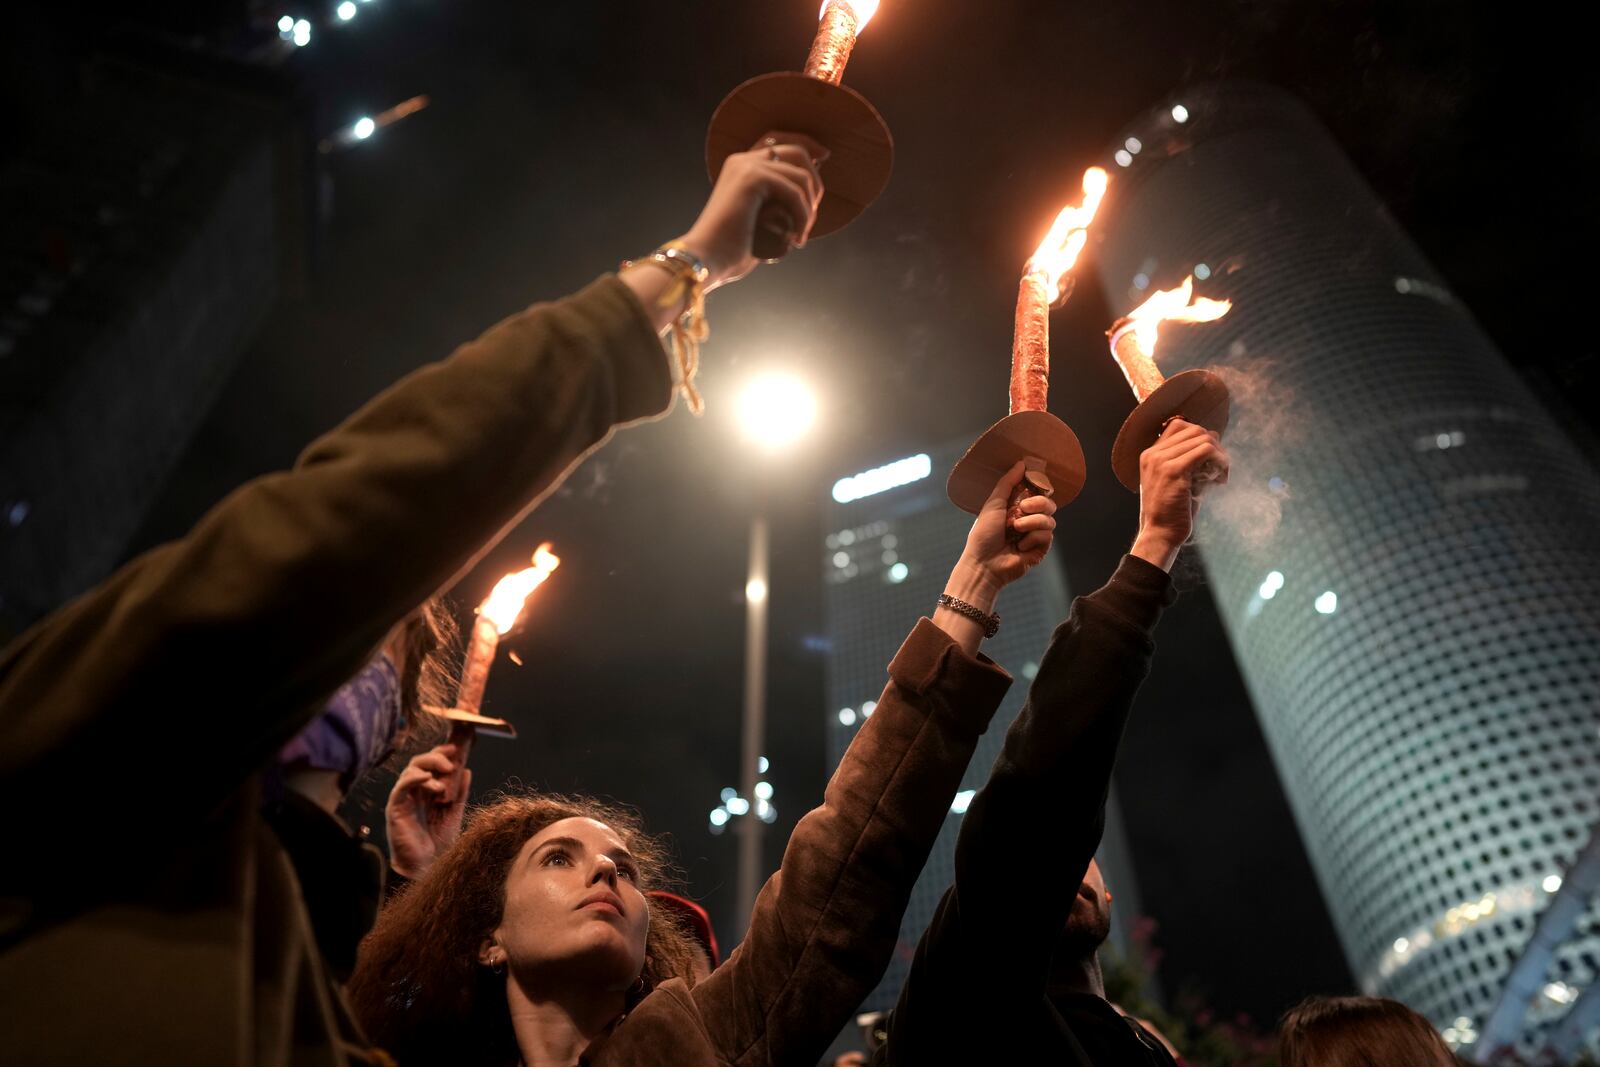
point(574, 911)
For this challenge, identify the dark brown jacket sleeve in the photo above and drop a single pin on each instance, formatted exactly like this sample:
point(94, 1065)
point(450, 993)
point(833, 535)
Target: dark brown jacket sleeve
point(226, 641)
point(1030, 832)
point(825, 925)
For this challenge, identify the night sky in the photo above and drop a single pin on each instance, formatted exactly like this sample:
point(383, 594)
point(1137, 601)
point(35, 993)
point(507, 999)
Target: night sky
point(563, 138)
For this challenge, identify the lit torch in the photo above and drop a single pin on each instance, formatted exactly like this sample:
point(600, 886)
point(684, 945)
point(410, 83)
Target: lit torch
point(837, 28)
point(496, 617)
point(1052, 458)
point(814, 103)
point(1196, 396)
point(1045, 284)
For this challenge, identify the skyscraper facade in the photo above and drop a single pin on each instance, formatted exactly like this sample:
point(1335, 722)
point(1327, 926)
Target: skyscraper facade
point(1406, 559)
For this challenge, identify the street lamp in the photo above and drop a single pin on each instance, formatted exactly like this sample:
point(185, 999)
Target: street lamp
point(775, 411)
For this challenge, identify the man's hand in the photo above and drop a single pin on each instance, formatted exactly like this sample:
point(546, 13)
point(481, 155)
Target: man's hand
point(1172, 474)
point(425, 810)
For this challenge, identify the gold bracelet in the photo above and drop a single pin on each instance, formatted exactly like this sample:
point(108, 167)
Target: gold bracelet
point(689, 329)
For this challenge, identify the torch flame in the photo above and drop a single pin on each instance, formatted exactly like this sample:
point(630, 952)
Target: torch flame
point(1173, 305)
point(863, 9)
point(510, 593)
point(1058, 252)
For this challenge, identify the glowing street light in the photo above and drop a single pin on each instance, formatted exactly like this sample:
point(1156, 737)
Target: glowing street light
point(776, 410)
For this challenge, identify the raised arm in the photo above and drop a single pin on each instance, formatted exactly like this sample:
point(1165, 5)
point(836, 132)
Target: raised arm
point(1029, 834)
point(228, 638)
point(825, 925)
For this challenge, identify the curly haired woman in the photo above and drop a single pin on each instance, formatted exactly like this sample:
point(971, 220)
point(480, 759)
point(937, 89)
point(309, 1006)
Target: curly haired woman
point(174, 924)
point(530, 940)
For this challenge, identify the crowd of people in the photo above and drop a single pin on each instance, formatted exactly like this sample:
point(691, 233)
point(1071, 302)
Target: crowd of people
point(232, 686)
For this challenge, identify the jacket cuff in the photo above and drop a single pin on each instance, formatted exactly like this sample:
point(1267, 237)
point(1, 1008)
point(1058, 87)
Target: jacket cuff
point(930, 660)
point(639, 362)
point(1138, 593)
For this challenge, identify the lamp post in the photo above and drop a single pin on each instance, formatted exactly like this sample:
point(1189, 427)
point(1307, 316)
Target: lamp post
point(775, 412)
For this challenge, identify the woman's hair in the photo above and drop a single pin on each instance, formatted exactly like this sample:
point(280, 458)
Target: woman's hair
point(1359, 1032)
point(428, 674)
point(419, 989)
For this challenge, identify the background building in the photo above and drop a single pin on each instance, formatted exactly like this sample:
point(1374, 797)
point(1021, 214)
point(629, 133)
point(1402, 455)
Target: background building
point(159, 194)
point(1406, 562)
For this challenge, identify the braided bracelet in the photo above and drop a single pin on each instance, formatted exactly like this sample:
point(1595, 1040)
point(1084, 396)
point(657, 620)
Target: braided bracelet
point(690, 328)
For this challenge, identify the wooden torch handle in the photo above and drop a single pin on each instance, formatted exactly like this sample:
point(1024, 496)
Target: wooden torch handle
point(462, 734)
point(1034, 483)
point(773, 227)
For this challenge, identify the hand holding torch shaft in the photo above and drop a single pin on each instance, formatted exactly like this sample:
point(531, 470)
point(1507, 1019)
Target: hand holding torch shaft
point(816, 104)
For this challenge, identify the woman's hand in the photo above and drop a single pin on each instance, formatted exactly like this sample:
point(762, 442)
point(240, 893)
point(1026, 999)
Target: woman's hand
point(782, 172)
point(425, 809)
point(990, 562)
point(782, 169)
point(989, 552)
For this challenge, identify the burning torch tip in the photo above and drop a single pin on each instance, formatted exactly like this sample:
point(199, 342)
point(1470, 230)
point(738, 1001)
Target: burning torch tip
point(1064, 292)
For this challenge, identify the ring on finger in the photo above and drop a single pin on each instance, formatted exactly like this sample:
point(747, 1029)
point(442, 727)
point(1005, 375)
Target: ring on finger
point(772, 154)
